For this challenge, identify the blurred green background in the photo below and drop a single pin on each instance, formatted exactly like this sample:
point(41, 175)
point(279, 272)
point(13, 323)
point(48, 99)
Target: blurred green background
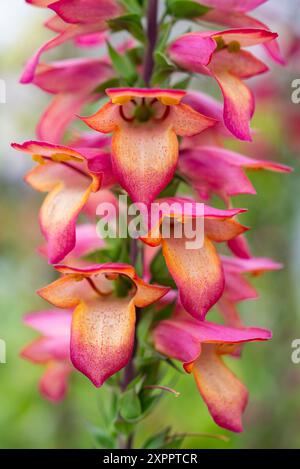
point(26, 420)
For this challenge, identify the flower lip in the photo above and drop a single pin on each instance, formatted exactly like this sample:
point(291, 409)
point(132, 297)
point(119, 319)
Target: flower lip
point(166, 96)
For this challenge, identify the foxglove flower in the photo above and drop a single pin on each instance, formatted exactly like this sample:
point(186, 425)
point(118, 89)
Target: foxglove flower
point(215, 170)
point(74, 19)
point(51, 350)
point(221, 54)
point(70, 177)
point(72, 83)
point(200, 346)
point(145, 124)
point(237, 287)
point(197, 273)
point(103, 324)
point(234, 15)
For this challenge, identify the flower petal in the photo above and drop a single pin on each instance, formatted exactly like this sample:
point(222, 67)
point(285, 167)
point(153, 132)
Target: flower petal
point(102, 337)
point(45, 349)
point(225, 396)
point(72, 75)
point(50, 323)
point(86, 11)
point(61, 111)
point(197, 273)
point(142, 154)
point(233, 5)
point(54, 382)
point(68, 193)
point(66, 33)
point(187, 122)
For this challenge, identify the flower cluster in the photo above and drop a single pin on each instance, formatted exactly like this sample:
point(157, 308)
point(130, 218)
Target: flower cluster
point(157, 141)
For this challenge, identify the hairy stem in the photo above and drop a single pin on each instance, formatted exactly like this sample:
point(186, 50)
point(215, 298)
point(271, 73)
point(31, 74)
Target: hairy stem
point(152, 36)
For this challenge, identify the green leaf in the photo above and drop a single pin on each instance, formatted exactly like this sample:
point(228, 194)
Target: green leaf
point(182, 84)
point(160, 273)
point(186, 8)
point(156, 441)
point(164, 35)
point(163, 61)
point(136, 383)
point(130, 406)
point(132, 5)
point(111, 83)
point(123, 427)
point(131, 23)
point(173, 443)
point(122, 65)
point(171, 189)
point(102, 439)
point(161, 76)
point(163, 68)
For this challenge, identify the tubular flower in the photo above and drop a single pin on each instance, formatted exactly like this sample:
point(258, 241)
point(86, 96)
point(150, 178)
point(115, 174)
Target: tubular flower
point(233, 5)
point(103, 325)
point(87, 242)
point(198, 272)
point(52, 350)
point(200, 346)
point(74, 19)
point(215, 170)
point(69, 176)
point(220, 54)
point(237, 287)
point(233, 15)
point(145, 124)
point(72, 82)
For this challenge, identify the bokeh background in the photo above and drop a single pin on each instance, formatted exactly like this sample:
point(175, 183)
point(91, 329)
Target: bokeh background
point(273, 414)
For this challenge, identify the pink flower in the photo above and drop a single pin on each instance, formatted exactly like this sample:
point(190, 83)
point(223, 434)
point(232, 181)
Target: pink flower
point(233, 5)
point(83, 20)
point(215, 170)
point(52, 350)
point(200, 346)
point(198, 272)
point(220, 54)
point(237, 287)
point(103, 324)
point(145, 124)
point(87, 242)
point(72, 82)
point(70, 176)
point(233, 15)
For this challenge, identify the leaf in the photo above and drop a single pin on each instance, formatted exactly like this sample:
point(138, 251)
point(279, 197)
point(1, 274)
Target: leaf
point(159, 271)
point(102, 438)
point(182, 84)
point(164, 34)
point(136, 383)
point(130, 23)
point(163, 69)
point(123, 427)
point(132, 5)
point(186, 8)
point(122, 65)
point(171, 189)
point(130, 406)
point(157, 440)
point(111, 83)
point(173, 443)
point(163, 61)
